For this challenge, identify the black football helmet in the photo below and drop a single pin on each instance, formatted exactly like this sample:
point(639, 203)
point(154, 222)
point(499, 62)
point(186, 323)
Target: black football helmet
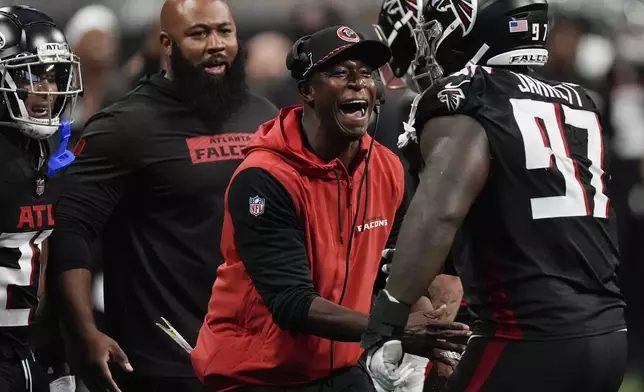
point(40, 77)
point(432, 38)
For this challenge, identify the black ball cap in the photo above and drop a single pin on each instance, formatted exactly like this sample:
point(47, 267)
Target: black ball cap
point(327, 44)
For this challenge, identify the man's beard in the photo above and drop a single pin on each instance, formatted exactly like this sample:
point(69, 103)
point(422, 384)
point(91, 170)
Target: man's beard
point(213, 98)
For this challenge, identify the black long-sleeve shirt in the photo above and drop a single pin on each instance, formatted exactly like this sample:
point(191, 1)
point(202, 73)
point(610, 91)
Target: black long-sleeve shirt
point(272, 246)
point(149, 180)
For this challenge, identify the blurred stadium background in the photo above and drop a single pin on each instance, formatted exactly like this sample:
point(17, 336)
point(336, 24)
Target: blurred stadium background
point(597, 43)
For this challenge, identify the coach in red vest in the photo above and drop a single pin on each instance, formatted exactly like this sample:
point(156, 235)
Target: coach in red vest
point(307, 215)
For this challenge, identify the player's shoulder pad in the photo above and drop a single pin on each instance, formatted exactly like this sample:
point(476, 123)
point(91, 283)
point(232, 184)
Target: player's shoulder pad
point(585, 99)
point(451, 94)
point(594, 99)
point(573, 94)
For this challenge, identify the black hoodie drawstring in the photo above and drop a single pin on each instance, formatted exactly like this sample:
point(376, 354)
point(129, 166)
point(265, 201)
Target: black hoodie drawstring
point(337, 178)
point(365, 177)
point(366, 194)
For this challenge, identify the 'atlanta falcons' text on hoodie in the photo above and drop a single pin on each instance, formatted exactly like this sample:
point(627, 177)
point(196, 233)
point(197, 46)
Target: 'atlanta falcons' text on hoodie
point(295, 227)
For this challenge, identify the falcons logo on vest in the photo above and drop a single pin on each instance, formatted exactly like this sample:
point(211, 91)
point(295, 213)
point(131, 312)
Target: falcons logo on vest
point(452, 95)
point(464, 11)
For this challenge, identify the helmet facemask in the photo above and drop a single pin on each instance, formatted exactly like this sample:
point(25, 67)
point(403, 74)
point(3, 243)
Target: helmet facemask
point(396, 22)
point(38, 89)
point(387, 73)
point(424, 69)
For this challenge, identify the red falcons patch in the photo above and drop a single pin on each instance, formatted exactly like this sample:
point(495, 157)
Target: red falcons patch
point(463, 10)
point(347, 34)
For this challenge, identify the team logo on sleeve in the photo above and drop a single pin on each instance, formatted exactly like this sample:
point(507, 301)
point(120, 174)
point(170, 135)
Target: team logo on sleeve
point(452, 95)
point(256, 205)
point(464, 11)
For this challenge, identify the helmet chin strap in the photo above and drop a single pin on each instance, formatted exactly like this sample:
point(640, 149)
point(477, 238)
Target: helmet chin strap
point(36, 131)
point(479, 55)
point(9, 124)
point(409, 126)
point(29, 129)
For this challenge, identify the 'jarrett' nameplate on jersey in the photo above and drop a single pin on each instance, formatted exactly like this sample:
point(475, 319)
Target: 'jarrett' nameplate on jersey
point(216, 148)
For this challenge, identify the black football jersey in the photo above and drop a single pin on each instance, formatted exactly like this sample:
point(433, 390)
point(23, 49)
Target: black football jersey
point(27, 201)
point(537, 253)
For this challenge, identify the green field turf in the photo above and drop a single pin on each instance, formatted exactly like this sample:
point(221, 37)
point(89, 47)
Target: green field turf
point(631, 384)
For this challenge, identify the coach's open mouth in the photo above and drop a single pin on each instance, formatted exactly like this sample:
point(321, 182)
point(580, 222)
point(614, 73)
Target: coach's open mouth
point(353, 111)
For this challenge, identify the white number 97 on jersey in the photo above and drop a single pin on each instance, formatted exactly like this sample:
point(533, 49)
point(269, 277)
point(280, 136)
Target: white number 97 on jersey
point(26, 246)
point(544, 130)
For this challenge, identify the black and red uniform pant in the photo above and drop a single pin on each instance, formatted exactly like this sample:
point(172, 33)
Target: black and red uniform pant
point(19, 371)
point(588, 364)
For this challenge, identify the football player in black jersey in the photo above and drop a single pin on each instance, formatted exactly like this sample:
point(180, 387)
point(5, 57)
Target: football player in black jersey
point(512, 173)
point(39, 81)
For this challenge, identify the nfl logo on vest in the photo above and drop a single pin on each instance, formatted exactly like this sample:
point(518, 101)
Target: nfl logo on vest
point(256, 205)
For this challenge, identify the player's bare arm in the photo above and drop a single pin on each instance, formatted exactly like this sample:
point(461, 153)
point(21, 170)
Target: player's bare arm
point(457, 159)
point(446, 290)
point(75, 286)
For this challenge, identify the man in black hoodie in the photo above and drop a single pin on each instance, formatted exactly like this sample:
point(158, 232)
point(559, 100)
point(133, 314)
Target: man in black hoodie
point(150, 176)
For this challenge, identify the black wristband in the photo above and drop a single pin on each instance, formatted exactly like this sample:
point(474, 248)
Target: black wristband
point(387, 321)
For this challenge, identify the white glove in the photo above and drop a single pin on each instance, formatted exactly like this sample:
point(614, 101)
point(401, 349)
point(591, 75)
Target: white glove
point(386, 368)
point(388, 254)
point(63, 384)
point(415, 382)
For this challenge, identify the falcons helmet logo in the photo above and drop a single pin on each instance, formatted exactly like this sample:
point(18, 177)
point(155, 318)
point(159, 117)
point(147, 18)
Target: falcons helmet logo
point(464, 11)
point(452, 95)
point(402, 11)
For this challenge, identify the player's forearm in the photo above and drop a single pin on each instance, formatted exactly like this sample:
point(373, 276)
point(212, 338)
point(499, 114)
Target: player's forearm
point(456, 170)
point(332, 321)
point(446, 290)
point(420, 256)
point(75, 302)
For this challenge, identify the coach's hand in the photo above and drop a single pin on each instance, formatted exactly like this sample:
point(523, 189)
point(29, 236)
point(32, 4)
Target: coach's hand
point(426, 335)
point(100, 350)
point(443, 370)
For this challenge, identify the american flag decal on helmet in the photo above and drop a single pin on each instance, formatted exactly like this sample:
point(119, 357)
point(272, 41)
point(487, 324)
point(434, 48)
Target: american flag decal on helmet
point(463, 10)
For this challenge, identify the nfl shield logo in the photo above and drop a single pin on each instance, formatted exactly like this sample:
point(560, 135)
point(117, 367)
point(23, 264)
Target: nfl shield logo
point(40, 186)
point(256, 205)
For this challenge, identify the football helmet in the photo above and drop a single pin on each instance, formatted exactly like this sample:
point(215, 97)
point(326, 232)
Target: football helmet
point(432, 38)
point(40, 77)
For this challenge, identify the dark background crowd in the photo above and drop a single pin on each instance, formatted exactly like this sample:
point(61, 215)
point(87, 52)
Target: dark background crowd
point(596, 43)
